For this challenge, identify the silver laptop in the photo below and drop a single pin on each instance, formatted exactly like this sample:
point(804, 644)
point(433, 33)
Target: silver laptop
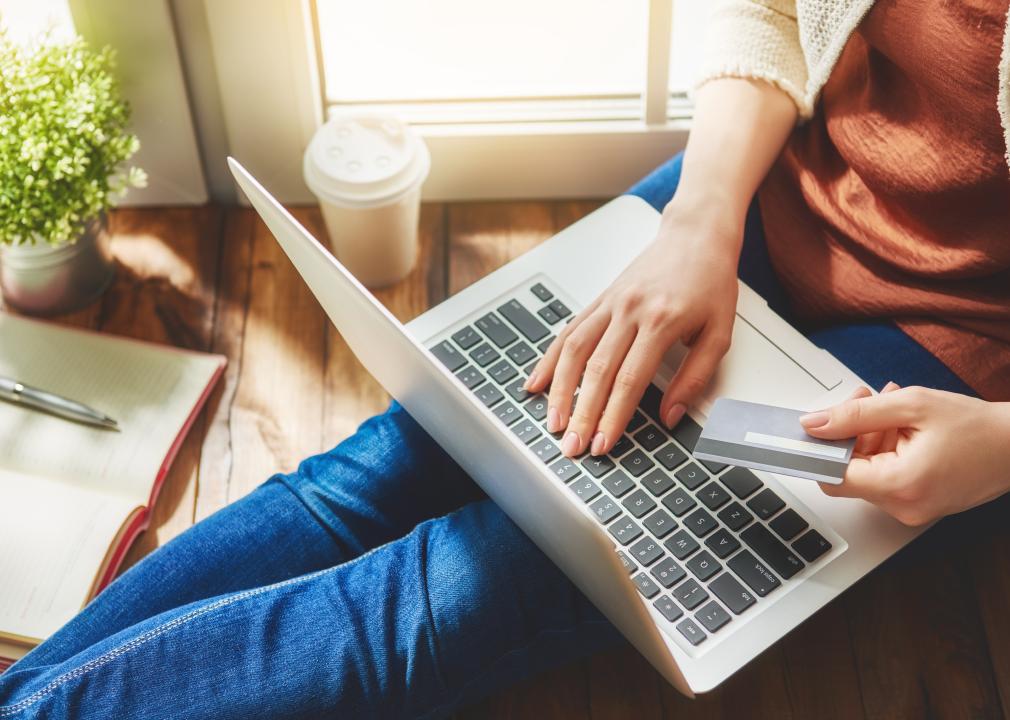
point(700, 565)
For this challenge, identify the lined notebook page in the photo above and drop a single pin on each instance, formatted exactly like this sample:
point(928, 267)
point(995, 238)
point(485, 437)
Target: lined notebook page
point(150, 390)
point(53, 538)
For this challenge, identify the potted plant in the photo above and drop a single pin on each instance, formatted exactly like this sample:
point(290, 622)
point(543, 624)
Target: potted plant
point(63, 140)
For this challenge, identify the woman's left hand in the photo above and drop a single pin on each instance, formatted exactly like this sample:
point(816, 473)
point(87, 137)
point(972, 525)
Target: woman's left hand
point(920, 454)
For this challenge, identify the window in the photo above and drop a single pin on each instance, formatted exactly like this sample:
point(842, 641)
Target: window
point(530, 98)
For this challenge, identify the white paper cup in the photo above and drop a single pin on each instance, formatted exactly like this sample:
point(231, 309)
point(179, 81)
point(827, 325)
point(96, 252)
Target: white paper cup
point(367, 172)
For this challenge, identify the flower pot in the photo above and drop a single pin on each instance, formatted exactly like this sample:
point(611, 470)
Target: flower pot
point(43, 279)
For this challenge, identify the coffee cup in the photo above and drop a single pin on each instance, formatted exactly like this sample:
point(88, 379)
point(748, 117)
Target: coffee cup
point(366, 171)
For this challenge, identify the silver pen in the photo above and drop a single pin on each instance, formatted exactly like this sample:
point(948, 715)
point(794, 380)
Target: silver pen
point(21, 394)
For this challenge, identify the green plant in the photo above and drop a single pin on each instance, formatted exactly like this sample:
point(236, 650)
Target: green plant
point(63, 138)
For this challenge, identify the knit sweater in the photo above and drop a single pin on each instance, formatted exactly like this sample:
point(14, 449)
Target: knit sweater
point(794, 45)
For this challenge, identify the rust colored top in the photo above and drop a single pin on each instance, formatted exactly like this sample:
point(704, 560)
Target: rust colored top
point(894, 200)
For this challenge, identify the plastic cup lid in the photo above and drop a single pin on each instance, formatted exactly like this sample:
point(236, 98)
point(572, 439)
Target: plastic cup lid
point(364, 160)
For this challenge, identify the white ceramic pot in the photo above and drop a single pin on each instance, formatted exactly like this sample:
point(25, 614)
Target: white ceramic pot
point(43, 279)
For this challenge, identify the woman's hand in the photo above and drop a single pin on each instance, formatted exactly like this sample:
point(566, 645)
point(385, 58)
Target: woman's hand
point(682, 287)
point(920, 454)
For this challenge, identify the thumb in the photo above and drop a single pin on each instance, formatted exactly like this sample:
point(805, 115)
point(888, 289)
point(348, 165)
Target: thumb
point(861, 415)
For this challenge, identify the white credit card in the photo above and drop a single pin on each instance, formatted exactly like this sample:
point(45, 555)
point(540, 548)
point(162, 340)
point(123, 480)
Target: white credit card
point(765, 437)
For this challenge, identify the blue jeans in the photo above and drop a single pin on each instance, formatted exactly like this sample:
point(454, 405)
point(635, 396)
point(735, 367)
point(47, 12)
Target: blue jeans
point(374, 581)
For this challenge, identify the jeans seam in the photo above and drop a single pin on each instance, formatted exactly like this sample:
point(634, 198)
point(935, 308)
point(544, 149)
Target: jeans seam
point(115, 653)
point(436, 650)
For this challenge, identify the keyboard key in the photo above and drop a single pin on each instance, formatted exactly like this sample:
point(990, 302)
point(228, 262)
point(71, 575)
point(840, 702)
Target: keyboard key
point(660, 524)
point(541, 292)
point(515, 390)
point(734, 516)
point(713, 496)
point(812, 545)
point(722, 543)
point(788, 525)
point(625, 530)
point(546, 450)
point(597, 466)
point(537, 407)
point(499, 333)
point(651, 400)
point(769, 549)
point(502, 371)
point(669, 609)
point(489, 395)
point(448, 355)
point(545, 343)
point(687, 432)
point(645, 585)
point(605, 509)
point(470, 376)
point(681, 545)
point(734, 595)
point(507, 412)
point(679, 502)
point(657, 482)
point(565, 469)
point(618, 483)
point(621, 446)
point(523, 320)
point(550, 317)
point(692, 476)
point(703, 565)
point(753, 572)
point(530, 368)
point(637, 462)
point(484, 354)
point(700, 523)
point(671, 457)
point(650, 437)
point(713, 467)
point(638, 503)
point(560, 308)
point(521, 353)
point(466, 338)
point(585, 489)
point(668, 573)
point(627, 562)
point(636, 421)
point(527, 431)
point(741, 482)
point(646, 551)
point(713, 616)
point(690, 594)
point(765, 504)
point(694, 634)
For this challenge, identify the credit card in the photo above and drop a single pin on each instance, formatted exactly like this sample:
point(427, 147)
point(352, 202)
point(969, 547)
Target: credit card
point(770, 438)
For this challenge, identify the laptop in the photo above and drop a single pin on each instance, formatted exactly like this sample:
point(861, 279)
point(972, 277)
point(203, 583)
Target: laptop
point(702, 566)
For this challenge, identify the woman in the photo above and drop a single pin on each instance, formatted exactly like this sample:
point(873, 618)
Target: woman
point(886, 214)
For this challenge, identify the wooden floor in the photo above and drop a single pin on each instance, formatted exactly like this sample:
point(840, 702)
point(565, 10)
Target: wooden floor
point(926, 635)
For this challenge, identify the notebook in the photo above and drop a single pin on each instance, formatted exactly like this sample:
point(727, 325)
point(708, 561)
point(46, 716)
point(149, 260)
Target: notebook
point(72, 497)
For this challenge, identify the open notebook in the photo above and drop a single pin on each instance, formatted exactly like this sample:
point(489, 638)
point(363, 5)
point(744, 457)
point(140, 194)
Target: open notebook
point(72, 497)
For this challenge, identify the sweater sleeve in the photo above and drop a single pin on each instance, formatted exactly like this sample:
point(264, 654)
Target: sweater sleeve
point(757, 39)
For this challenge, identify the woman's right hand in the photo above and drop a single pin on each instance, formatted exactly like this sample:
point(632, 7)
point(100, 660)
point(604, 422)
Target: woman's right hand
point(682, 287)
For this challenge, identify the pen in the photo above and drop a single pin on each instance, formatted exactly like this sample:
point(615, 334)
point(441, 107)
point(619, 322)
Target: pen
point(20, 394)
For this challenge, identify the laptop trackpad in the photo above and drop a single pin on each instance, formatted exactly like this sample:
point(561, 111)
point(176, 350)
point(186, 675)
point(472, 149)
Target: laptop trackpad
point(756, 370)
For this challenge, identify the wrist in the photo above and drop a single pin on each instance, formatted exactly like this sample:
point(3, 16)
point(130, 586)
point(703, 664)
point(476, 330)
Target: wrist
point(709, 217)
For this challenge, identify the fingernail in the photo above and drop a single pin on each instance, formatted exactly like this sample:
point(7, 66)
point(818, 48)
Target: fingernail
point(571, 444)
point(530, 380)
point(599, 442)
point(814, 420)
point(553, 420)
point(675, 414)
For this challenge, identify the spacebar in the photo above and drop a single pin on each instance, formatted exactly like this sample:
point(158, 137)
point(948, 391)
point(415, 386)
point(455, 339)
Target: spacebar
point(524, 321)
point(771, 550)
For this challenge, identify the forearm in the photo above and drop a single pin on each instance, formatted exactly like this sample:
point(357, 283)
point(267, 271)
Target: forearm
point(740, 127)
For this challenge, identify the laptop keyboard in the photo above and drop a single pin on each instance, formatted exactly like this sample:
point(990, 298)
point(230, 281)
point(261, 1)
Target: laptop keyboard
point(703, 541)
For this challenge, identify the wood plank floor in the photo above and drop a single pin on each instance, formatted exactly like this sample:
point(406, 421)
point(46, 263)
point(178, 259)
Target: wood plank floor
point(927, 635)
